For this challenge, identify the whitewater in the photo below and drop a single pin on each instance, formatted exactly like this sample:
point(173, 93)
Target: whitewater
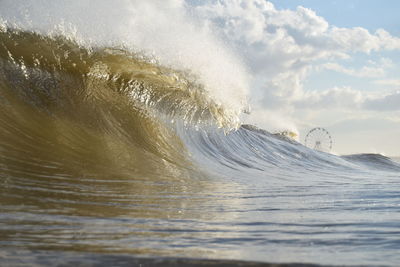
point(122, 142)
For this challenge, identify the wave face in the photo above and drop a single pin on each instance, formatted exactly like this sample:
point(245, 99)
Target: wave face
point(103, 150)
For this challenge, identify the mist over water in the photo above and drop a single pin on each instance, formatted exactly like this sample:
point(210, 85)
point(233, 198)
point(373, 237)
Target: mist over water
point(122, 138)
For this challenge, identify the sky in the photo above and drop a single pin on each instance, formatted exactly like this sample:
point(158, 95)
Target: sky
point(331, 64)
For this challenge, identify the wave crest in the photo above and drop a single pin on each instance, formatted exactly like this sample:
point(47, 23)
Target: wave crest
point(146, 84)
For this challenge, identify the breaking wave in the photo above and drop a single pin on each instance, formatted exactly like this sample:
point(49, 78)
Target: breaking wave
point(105, 149)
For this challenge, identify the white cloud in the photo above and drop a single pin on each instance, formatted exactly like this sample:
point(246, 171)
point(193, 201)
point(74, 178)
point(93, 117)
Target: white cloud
point(347, 98)
point(364, 72)
point(386, 103)
point(281, 46)
point(387, 41)
point(335, 98)
point(390, 82)
point(298, 34)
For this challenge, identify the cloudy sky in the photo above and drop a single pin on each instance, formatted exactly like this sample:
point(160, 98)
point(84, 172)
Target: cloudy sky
point(333, 64)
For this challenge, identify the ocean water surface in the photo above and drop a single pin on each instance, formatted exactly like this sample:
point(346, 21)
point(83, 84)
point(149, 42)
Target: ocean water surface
point(106, 152)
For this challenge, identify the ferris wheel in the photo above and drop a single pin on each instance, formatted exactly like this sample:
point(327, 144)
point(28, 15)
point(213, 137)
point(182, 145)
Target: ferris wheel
point(319, 139)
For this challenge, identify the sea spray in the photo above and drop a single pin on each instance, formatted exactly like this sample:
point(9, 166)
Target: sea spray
point(172, 38)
